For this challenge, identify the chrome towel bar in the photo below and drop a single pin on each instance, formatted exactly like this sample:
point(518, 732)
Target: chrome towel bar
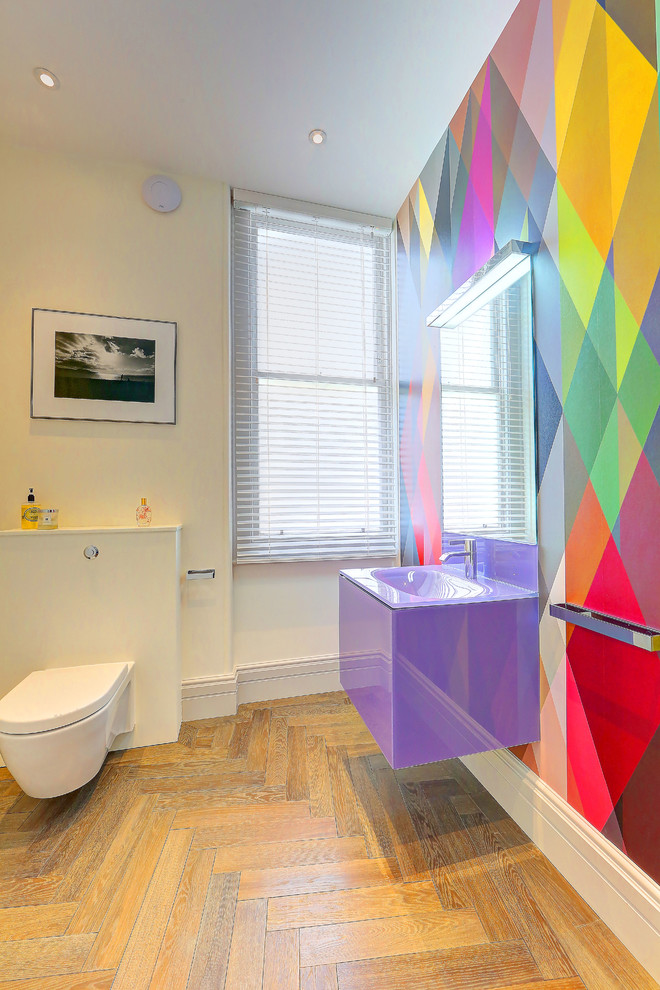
point(646, 637)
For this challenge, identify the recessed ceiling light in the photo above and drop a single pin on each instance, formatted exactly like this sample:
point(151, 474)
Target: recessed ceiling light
point(46, 78)
point(317, 136)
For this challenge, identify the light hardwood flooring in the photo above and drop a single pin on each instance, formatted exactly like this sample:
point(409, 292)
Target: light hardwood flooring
point(276, 849)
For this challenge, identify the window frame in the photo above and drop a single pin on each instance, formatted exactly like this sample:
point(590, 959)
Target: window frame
point(383, 386)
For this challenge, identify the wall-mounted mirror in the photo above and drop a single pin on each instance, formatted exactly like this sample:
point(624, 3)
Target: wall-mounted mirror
point(487, 400)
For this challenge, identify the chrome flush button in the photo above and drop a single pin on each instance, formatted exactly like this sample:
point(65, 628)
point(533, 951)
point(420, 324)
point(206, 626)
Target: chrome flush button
point(90, 552)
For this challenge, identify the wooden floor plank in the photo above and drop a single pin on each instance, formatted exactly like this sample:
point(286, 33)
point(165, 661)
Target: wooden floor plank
point(517, 900)
point(240, 738)
point(328, 944)
point(308, 978)
point(560, 903)
point(188, 734)
point(320, 793)
point(303, 852)
point(189, 799)
point(339, 715)
point(257, 752)
point(205, 736)
point(86, 857)
point(14, 841)
point(602, 962)
point(246, 955)
point(316, 878)
point(37, 957)
point(18, 891)
point(25, 803)
point(83, 848)
point(22, 862)
point(341, 906)
point(248, 817)
point(209, 966)
point(178, 946)
point(444, 770)
point(9, 794)
point(468, 871)
point(433, 853)
point(139, 959)
point(101, 980)
point(325, 978)
point(96, 899)
point(116, 922)
point(276, 760)
point(224, 782)
point(371, 813)
point(477, 967)
point(281, 961)
point(571, 983)
point(343, 795)
point(6, 801)
point(266, 831)
point(307, 703)
point(11, 822)
point(297, 778)
point(37, 921)
point(226, 771)
point(407, 847)
point(221, 736)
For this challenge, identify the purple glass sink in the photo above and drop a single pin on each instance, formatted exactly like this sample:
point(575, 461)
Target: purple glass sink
point(432, 584)
point(440, 665)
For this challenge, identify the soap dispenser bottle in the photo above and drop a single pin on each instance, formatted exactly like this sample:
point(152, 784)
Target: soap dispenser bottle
point(30, 511)
point(143, 514)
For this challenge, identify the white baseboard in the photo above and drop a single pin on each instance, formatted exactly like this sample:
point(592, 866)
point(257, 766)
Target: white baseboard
point(620, 892)
point(209, 697)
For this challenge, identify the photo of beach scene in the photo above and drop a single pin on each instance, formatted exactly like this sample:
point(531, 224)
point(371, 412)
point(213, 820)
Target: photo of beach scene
point(91, 366)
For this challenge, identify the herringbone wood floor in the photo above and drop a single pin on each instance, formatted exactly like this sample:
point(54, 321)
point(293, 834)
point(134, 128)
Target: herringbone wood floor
point(276, 849)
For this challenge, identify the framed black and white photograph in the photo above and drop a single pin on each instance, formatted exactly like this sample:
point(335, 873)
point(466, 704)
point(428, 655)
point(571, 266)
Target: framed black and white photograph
point(108, 368)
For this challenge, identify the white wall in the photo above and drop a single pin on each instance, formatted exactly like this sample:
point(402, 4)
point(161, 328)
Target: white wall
point(77, 236)
point(282, 611)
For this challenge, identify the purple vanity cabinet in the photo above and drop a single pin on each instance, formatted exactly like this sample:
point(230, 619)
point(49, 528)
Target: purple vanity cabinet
point(439, 665)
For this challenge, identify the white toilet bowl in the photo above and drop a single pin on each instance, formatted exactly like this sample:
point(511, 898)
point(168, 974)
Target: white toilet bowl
point(57, 726)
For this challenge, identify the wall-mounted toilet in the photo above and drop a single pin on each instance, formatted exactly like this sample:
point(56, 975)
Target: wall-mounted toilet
point(57, 726)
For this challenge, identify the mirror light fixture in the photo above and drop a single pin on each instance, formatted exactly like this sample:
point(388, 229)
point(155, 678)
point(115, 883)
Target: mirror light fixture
point(317, 136)
point(504, 268)
point(46, 78)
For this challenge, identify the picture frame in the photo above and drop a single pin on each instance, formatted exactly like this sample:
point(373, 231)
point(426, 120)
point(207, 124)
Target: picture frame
point(106, 368)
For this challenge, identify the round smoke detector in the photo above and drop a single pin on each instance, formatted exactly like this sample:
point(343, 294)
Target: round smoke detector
point(161, 193)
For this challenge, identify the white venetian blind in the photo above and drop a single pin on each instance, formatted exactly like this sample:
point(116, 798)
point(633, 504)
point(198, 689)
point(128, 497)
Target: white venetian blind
point(314, 433)
point(488, 467)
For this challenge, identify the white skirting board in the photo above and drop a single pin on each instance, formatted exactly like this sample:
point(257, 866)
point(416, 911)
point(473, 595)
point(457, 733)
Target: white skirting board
point(624, 896)
point(209, 697)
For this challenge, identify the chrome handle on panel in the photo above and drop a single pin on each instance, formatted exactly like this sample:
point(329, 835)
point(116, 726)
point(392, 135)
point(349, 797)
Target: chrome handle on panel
point(90, 552)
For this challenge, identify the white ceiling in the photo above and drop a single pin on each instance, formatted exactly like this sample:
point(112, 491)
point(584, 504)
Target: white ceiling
point(230, 88)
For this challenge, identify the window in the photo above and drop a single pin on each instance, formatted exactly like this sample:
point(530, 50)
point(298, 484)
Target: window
point(314, 430)
point(487, 404)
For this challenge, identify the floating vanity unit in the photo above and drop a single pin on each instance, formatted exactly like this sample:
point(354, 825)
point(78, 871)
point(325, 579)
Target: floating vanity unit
point(439, 664)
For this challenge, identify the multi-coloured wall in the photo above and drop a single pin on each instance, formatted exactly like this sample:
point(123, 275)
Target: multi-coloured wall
point(557, 141)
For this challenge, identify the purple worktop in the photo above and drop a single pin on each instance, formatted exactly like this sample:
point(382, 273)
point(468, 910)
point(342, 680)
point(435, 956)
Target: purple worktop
point(433, 584)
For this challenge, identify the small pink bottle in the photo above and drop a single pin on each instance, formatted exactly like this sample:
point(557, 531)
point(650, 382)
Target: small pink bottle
point(143, 514)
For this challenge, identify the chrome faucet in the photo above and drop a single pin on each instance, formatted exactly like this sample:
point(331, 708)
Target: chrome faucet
point(469, 554)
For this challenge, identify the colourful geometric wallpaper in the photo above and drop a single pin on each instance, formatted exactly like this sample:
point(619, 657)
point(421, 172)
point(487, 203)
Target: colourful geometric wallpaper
point(558, 141)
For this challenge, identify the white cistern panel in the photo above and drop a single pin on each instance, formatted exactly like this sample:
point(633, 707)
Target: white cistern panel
point(60, 607)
